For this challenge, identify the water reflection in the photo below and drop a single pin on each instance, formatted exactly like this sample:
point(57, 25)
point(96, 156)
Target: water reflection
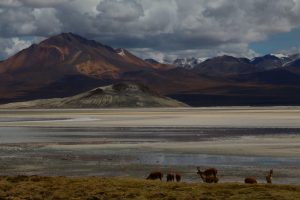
point(27, 151)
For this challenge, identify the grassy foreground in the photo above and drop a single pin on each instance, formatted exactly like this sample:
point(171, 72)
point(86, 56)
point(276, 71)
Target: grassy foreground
point(94, 188)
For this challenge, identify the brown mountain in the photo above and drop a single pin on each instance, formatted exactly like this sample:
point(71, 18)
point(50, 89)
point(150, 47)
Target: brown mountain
point(61, 57)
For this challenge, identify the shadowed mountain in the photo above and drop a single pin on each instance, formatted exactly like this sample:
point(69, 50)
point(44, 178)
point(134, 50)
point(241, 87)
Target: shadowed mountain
point(121, 95)
point(295, 62)
point(224, 65)
point(277, 76)
point(268, 62)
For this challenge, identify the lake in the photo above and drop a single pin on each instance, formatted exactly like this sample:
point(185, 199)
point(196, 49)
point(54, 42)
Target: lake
point(239, 141)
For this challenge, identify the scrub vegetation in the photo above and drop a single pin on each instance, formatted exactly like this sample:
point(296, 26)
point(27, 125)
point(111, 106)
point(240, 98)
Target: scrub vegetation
point(93, 188)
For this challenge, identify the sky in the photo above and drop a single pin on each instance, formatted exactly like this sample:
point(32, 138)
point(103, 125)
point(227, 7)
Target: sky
point(159, 29)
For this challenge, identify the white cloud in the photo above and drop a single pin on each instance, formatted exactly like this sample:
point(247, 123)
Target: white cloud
point(12, 46)
point(146, 53)
point(16, 45)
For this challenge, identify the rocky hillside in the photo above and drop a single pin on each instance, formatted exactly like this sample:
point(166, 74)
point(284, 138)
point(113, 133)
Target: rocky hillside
point(121, 95)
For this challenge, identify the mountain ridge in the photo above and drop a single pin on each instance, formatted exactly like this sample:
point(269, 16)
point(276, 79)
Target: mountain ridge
point(68, 64)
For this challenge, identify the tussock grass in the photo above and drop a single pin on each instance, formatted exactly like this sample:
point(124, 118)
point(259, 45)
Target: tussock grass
point(94, 188)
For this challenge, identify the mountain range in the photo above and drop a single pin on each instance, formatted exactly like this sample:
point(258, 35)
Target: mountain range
point(68, 64)
point(263, 63)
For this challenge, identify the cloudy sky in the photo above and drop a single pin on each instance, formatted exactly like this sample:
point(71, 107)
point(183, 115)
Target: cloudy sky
point(161, 29)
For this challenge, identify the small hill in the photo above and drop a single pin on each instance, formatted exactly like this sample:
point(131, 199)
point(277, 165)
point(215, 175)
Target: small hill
point(119, 95)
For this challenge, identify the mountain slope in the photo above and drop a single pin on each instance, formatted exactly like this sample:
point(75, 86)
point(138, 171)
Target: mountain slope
point(61, 56)
point(112, 96)
point(295, 62)
point(68, 53)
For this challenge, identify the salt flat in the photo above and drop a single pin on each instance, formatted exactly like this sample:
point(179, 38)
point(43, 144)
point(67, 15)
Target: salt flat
point(243, 117)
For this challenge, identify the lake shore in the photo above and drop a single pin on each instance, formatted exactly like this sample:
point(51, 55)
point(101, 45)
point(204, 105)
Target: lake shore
point(214, 117)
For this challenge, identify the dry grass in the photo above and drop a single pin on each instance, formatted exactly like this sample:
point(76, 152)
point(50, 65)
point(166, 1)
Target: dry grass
point(94, 188)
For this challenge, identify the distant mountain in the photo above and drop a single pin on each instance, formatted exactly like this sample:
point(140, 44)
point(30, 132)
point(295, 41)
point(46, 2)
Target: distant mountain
point(121, 95)
point(224, 65)
point(188, 63)
point(276, 76)
point(271, 61)
point(281, 56)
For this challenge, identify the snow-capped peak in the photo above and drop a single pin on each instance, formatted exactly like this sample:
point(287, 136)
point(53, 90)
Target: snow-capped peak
point(279, 55)
point(121, 52)
point(200, 60)
point(188, 63)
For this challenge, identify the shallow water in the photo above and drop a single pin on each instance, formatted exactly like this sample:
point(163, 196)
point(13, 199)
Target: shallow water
point(134, 152)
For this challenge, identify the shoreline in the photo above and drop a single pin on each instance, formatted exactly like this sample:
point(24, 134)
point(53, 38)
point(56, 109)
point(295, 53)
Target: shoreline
point(245, 117)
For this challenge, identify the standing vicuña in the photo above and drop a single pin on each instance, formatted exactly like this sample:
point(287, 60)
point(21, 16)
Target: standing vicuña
point(209, 175)
point(178, 177)
point(170, 177)
point(269, 176)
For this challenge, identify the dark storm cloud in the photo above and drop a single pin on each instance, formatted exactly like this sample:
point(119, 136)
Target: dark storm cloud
point(152, 27)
